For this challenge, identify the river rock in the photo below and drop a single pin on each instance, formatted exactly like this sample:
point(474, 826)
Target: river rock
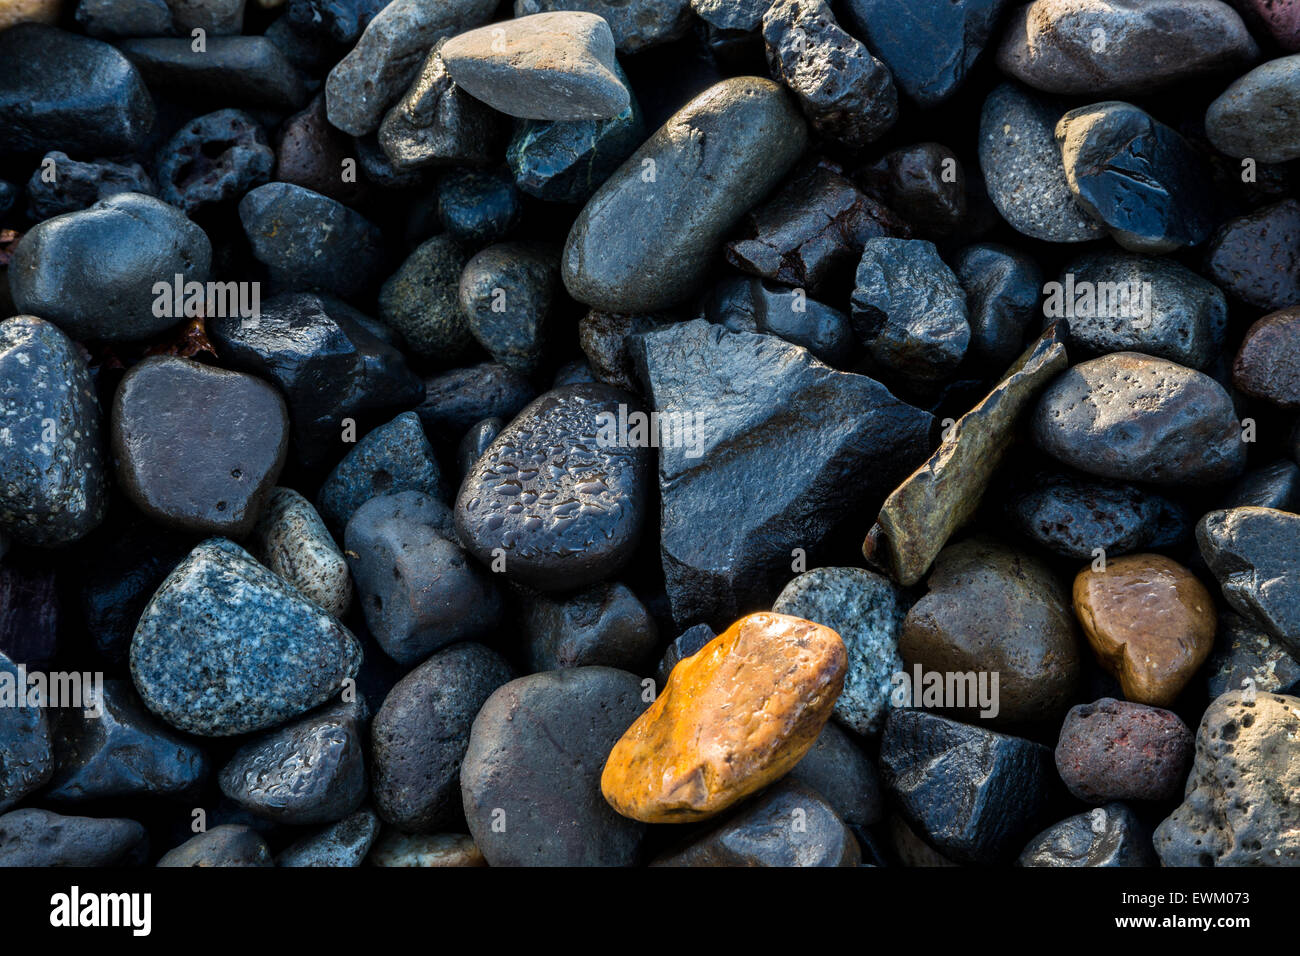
point(1117, 750)
point(227, 845)
point(455, 400)
point(291, 540)
point(838, 769)
point(426, 850)
point(213, 159)
point(24, 735)
point(689, 642)
point(1252, 552)
point(34, 837)
point(1003, 287)
point(392, 458)
point(478, 206)
point(506, 296)
point(757, 305)
point(343, 844)
point(1268, 362)
point(66, 185)
point(249, 71)
point(421, 301)
point(1256, 257)
point(602, 625)
point(1105, 836)
point(925, 183)
point(1245, 654)
point(636, 24)
point(1255, 116)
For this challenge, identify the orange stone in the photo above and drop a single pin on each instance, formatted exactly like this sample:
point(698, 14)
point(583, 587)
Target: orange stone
point(1150, 622)
point(14, 12)
point(732, 718)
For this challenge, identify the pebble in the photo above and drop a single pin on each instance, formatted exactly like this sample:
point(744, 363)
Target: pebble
point(261, 655)
point(1137, 177)
point(635, 24)
point(930, 45)
point(388, 57)
point(1244, 652)
point(113, 748)
point(308, 772)
point(758, 134)
point(62, 184)
point(455, 400)
point(291, 540)
point(437, 850)
point(34, 837)
point(765, 833)
point(53, 488)
point(213, 159)
point(604, 338)
point(436, 122)
point(228, 845)
point(712, 738)
point(925, 183)
point(1117, 750)
point(1003, 287)
point(421, 302)
point(29, 11)
point(341, 20)
point(1268, 362)
point(909, 310)
point(689, 642)
point(250, 71)
point(1175, 315)
point(1121, 47)
point(846, 93)
point(1149, 621)
point(418, 589)
point(758, 305)
point(603, 625)
point(328, 361)
point(421, 733)
point(135, 243)
point(981, 587)
point(1133, 417)
point(476, 443)
point(1255, 117)
point(1109, 836)
point(558, 509)
point(311, 153)
point(214, 17)
point(941, 496)
point(866, 611)
point(974, 794)
point(342, 844)
point(506, 296)
point(1279, 18)
point(392, 458)
point(1252, 553)
point(530, 781)
point(309, 242)
point(1023, 169)
point(1256, 257)
point(478, 206)
point(1238, 810)
point(26, 741)
point(71, 93)
point(842, 773)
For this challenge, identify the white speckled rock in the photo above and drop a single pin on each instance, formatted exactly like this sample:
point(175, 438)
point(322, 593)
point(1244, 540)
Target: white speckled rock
point(439, 849)
point(292, 541)
point(867, 612)
point(227, 647)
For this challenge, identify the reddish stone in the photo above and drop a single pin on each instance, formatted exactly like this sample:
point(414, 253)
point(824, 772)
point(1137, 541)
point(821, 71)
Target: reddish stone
point(1268, 363)
point(1279, 18)
point(1118, 750)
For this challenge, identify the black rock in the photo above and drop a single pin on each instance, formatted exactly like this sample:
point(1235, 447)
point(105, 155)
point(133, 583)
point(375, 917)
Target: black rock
point(476, 442)
point(421, 302)
point(506, 295)
point(530, 781)
point(603, 338)
point(604, 624)
point(478, 206)
point(419, 737)
point(325, 359)
point(213, 159)
point(223, 846)
point(25, 738)
point(1252, 552)
point(1245, 653)
point(67, 92)
point(1109, 835)
point(1003, 287)
point(925, 184)
point(757, 305)
point(341, 20)
point(720, 559)
point(136, 244)
point(345, 843)
point(61, 184)
point(40, 838)
point(245, 70)
point(455, 400)
point(682, 647)
point(112, 747)
point(1273, 486)
point(416, 586)
point(53, 487)
point(1256, 257)
point(198, 448)
point(839, 770)
point(125, 18)
point(972, 793)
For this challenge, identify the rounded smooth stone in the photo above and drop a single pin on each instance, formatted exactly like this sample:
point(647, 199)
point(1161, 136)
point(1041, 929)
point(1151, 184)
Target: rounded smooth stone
point(198, 448)
point(732, 718)
point(1278, 18)
point(530, 781)
point(53, 487)
point(506, 295)
point(227, 647)
point(455, 400)
point(1268, 362)
point(1239, 808)
point(1003, 287)
point(392, 458)
point(636, 24)
point(421, 301)
point(228, 845)
point(420, 735)
point(1252, 552)
point(718, 156)
point(418, 589)
point(34, 837)
point(866, 610)
point(478, 206)
point(1118, 750)
point(342, 844)
point(1149, 621)
point(426, 850)
point(1137, 418)
point(1256, 116)
point(1073, 517)
point(1106, 836)
point(291, 540)
point(838, 769)
point(560, 507)
point(1119, 47)
point(25, 741)
point(309, 772)
point(214, 158)
point(980, 587)
point(96, 273)
point(311, 242)
point(603, 625)
point(1256, 256)
point(1023, 170)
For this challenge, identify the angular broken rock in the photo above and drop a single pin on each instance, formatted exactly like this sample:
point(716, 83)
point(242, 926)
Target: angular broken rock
point(1255, 554)
point(941, 496)
point(734, 507)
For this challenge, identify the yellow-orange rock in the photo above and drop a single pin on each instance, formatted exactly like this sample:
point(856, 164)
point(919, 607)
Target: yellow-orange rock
point(1150, 622)
point(14, 12)
point(732, 718)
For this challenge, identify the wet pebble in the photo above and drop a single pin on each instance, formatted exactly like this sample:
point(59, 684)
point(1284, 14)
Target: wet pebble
point(342, 844)
point(507, 293)
point(1110, 835)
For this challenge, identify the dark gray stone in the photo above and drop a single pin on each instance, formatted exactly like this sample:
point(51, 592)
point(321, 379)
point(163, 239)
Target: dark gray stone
point(1003, 287)
point(1255, 117)
point(125, 18)
point(421, 302)
point(25, 739)
point(475, 443)
point(838, 769)
point(343, 844)
point(1253, 554)
point(506, 296)
point(214, 159)
point(1110, 835)
point(40, 838)
point(394, 457)
point(636, 24)
point(1244, 655)
point(228, 845)
point(603, 625)
point(689, 642)
point(1276, 485)
point(61, 184)
point(245, 70)
point(757, 305)
point(1256, 257)
point(455, 400)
